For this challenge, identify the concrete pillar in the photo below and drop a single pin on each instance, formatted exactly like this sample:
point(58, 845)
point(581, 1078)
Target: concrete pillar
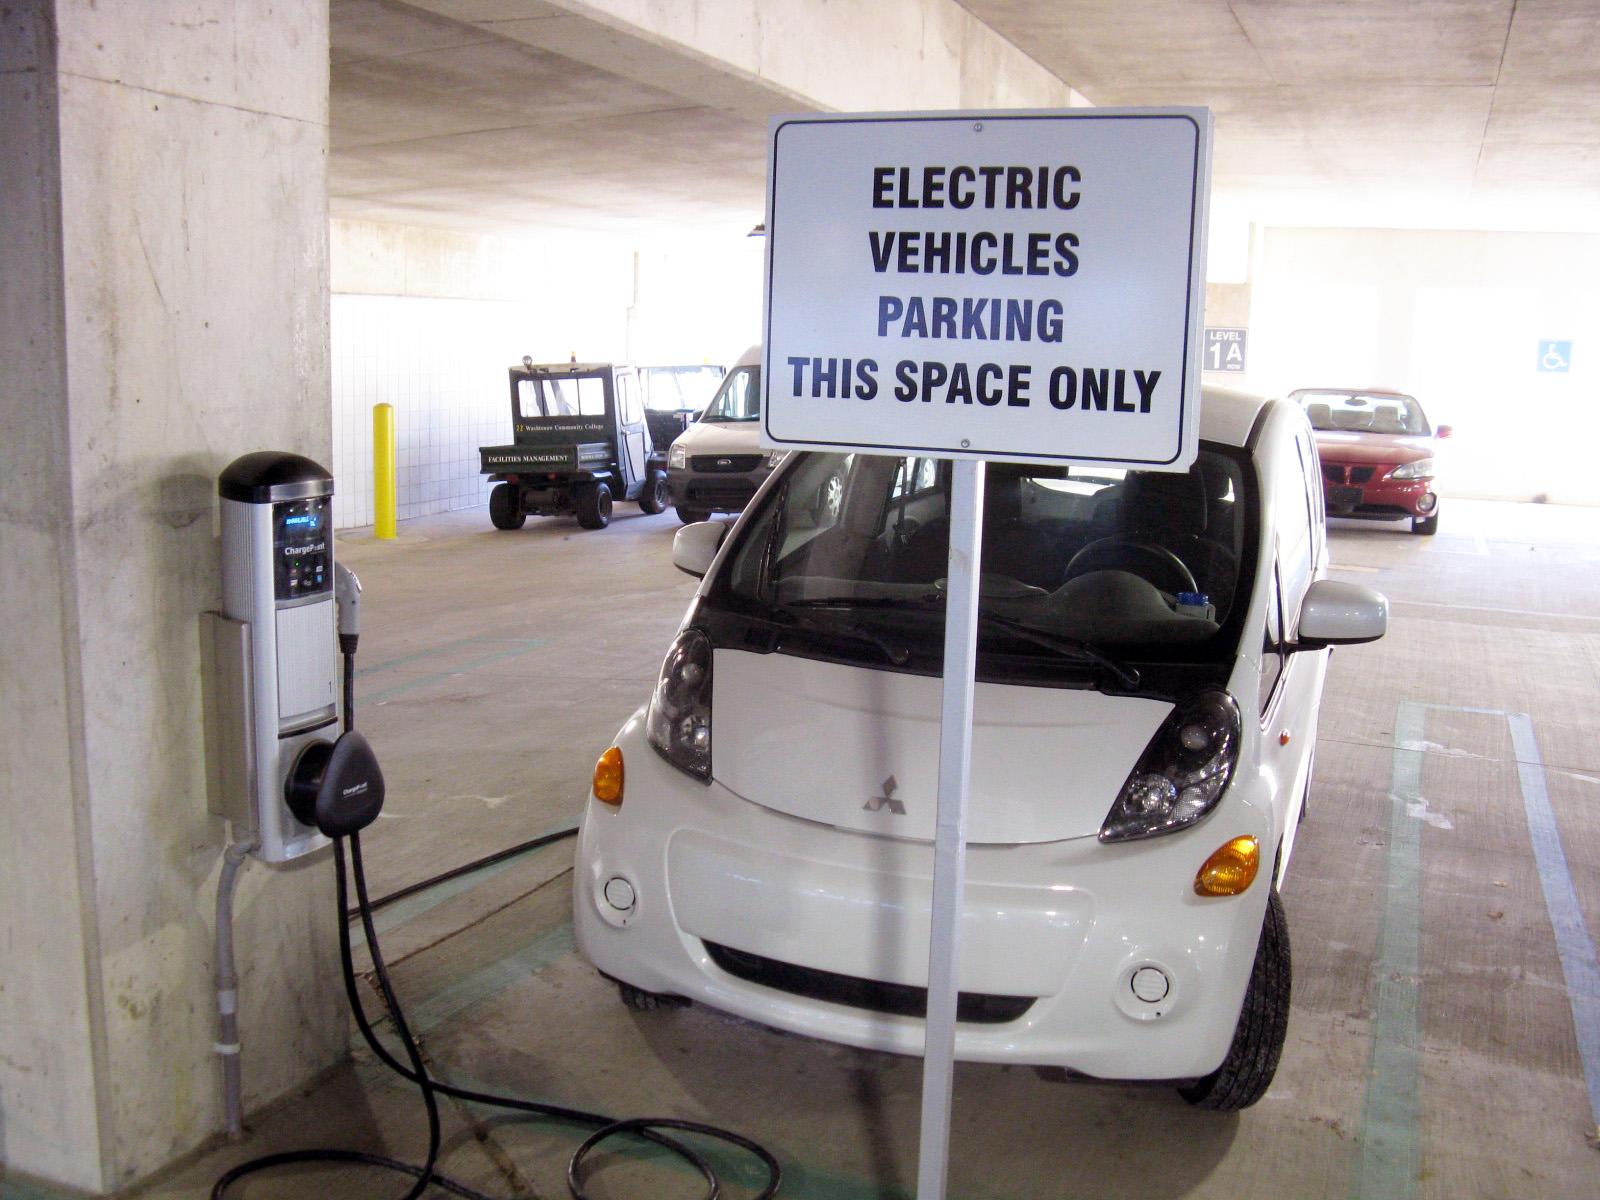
point(163, 309)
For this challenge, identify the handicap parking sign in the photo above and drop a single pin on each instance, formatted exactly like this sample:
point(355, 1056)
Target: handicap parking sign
point(1555, 357)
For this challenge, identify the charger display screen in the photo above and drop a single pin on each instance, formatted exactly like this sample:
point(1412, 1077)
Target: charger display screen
point(302, 553)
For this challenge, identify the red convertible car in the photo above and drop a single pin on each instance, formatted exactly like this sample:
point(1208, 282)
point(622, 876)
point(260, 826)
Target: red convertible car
point(1376, 448)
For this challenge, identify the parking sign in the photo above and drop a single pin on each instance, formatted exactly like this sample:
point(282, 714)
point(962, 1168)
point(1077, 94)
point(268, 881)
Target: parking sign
point(1014, 286)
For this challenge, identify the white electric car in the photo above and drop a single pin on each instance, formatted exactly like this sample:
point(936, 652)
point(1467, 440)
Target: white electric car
point(1151, 654)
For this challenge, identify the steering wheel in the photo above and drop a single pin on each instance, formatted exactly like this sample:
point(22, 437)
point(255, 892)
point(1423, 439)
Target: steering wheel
point(1157, 564)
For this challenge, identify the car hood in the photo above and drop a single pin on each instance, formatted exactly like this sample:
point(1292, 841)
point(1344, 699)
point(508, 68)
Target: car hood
point(721, 437)
point(859, 749)
point(1373, 447)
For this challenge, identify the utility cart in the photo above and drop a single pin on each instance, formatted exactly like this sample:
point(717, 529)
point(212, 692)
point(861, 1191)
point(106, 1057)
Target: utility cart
point(580, 442)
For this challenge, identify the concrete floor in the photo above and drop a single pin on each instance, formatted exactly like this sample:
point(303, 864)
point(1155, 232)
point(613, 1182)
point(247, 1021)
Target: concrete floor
point(1440, 1024)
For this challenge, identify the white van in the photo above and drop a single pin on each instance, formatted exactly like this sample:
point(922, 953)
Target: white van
point(716, 465)
point(1151, 655)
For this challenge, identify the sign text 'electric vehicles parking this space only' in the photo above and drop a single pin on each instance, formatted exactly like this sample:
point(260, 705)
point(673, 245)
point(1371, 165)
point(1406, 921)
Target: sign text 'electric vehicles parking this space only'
point(1024, 286)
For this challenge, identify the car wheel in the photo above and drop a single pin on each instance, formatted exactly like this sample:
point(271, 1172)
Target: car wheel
point(653, 499)
point(505, 507)
point(690, 516)
point(830, 499)
point(1425, 526)
point(594, 507)
point(642, 1001)
point(1246, 1073)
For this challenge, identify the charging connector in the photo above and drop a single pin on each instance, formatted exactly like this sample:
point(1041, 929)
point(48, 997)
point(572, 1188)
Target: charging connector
point(347, 598)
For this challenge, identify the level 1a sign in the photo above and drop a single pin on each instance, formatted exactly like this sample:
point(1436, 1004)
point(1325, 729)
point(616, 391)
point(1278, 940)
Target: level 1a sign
point(1224, 348)
point(1014, 286)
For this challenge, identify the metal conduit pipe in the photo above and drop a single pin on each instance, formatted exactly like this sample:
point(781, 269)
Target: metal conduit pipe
point(227, 1043)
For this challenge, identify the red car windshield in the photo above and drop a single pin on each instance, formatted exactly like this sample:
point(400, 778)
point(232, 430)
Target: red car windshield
point(1362, 412)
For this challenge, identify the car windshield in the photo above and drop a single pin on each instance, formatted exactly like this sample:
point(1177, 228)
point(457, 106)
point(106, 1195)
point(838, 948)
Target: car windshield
point(1362, 412)
point(679, 389)
point(739, 397)
point(1078, 563)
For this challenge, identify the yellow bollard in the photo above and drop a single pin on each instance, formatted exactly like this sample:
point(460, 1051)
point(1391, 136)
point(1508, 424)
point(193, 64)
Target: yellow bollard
point(383, 506)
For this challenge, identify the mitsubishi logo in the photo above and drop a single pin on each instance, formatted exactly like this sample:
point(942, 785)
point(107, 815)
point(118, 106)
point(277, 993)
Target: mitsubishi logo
point(887, 800)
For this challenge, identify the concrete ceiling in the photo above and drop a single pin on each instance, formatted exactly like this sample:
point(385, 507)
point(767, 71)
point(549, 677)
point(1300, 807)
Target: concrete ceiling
point(1410, 113)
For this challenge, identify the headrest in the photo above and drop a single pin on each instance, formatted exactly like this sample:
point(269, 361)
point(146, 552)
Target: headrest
point(1165, 506)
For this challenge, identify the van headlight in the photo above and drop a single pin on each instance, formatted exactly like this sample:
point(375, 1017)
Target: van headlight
point(677, 457)
point(1421, 469)
point(1182, 773)
point(678, 724)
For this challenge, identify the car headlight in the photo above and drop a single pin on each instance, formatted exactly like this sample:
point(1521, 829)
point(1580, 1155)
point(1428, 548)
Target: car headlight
point(678, 724)
point(776, 457)
point(677, 457)
point(1421, 469)
point(1181, 774)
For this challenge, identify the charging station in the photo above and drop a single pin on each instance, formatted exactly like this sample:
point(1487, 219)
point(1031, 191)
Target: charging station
point(272, 691)
point(290, 773)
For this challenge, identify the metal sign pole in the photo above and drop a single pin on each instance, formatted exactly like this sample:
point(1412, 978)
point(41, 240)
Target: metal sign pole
point(950, 837)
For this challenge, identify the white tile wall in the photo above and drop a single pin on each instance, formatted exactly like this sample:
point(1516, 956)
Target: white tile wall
point(442, 364)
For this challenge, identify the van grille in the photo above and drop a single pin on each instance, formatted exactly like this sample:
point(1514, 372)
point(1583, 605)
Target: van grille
point(896, 999)
point(725, 464)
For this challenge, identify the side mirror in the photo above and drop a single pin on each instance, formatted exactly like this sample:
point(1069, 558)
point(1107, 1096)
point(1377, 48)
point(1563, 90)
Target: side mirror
point(694, 547)
point(1444, 431)
point(1336, 613)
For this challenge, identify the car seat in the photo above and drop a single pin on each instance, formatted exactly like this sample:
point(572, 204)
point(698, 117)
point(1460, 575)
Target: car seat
point(1163, 514)
point(1386, 419)
point(1320, 416)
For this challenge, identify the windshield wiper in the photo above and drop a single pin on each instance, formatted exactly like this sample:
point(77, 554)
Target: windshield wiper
point(897, 654)
point(1062, 643)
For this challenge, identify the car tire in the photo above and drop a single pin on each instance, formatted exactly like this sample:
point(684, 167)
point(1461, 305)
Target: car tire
point(1246, 1073)
point(1425, 526)
point(691, 516)
point(653, 498)
point(505, 507)
point(642, 1001)
point(594, 507)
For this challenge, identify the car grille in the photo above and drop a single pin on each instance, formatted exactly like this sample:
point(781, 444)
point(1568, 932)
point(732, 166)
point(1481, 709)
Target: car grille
point(725, 464)
point(1338, 473)
point(896, 999)
point(719, 493)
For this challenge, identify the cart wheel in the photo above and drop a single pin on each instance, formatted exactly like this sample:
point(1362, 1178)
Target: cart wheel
point(505, 507)
point(594, 507)
point(653, 499)
point(690, 516)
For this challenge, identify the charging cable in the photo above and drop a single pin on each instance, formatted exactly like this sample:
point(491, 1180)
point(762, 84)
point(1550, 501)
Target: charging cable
point(414, 1069)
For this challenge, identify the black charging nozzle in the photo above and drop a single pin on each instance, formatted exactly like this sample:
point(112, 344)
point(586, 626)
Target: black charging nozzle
point(336, 786)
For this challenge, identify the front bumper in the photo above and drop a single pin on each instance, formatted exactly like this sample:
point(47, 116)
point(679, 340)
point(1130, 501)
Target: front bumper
point(715, 491)
point(1394, 499)
point(1057, 930)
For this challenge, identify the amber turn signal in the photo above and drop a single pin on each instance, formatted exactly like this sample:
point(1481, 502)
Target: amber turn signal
point(1230, 869)
point(608, 777)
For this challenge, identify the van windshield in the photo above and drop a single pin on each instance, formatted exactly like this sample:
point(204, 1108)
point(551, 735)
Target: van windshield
point(1133, 565)
point(739, 397)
